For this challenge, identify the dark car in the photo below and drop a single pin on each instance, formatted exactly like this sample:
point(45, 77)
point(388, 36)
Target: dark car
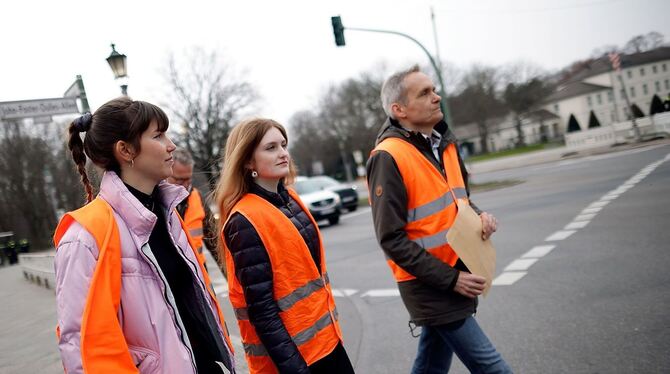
point(347, 192)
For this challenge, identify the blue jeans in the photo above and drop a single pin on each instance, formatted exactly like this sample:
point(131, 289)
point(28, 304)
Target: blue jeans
point(438, 344)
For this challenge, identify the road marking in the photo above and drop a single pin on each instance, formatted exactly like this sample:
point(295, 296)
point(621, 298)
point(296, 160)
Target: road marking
point(354, 214)
point(538, 251)
point(609, 197)
point(344, 292)
point(508, 278)
point(584, 217)
point(387, 292)
point(598, 204)
point(576, 225)
point(521, 264)
point(559, 235)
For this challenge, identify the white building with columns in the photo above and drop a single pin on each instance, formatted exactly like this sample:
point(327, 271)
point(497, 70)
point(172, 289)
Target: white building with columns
point(597, 87)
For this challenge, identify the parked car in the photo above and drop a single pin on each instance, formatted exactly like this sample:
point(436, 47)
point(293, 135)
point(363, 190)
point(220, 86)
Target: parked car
point(322, 204)
point(347, 192)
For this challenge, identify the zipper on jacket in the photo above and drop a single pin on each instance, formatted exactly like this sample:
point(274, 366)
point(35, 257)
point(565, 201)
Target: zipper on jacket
point(206, 296)
point(171, 303)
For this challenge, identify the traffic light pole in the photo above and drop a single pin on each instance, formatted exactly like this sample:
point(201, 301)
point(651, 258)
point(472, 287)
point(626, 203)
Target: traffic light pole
point(443, 94)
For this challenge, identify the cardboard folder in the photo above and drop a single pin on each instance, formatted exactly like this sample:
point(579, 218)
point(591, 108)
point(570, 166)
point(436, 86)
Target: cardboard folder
point(465, 238)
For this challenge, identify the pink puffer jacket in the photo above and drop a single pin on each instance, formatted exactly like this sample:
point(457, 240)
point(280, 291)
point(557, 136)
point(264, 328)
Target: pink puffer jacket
point(156, 339)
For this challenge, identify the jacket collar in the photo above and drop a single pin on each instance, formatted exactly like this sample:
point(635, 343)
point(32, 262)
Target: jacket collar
point(393, 129)
point(139, 220)
point(280, 198)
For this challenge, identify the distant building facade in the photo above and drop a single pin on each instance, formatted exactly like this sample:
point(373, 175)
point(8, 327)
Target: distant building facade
point(598, 88)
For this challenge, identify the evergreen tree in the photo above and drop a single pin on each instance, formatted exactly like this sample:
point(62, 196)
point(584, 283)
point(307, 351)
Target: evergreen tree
point(593, 120)
point(656, 105)
point(573, 125)
point(637, 112)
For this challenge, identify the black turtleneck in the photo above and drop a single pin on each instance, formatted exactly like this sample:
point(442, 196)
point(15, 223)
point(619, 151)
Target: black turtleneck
point(192, 307)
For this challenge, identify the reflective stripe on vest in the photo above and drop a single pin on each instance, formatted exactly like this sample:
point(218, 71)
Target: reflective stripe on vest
point(194, 217)
point(431, 209)
point(301, 291)
point(286, 302)
point(100, 317)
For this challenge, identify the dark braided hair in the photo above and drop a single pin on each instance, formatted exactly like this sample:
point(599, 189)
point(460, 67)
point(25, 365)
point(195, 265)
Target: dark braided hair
point(118, 119)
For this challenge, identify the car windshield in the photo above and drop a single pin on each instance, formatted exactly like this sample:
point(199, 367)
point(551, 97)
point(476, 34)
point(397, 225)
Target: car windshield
point(306, 186)
point(325, 182)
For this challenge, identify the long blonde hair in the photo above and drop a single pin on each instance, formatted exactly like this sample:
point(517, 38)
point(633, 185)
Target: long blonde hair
point(236, 179)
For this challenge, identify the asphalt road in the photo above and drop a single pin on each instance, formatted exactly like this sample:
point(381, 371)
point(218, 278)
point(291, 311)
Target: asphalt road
point(596, 303)
point(591, 296)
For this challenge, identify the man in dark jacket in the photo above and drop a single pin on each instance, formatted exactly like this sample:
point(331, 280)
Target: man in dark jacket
point(440, 297)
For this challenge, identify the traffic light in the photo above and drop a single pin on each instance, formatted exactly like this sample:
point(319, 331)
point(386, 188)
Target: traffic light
point(338, 30)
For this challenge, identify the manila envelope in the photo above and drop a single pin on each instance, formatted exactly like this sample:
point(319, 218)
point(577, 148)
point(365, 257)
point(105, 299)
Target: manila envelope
point(465, 238)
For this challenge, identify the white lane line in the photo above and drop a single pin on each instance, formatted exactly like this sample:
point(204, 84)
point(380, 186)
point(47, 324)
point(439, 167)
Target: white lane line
point(591, 210)
point(559, 235)
point(576, 225)
point(609, 197)
point(598, 204)
point(538, 251)
point(387, 292)
point(584, 217)
point(344, 292)
point(508, 278)
point(520, 264)
point(361, 211)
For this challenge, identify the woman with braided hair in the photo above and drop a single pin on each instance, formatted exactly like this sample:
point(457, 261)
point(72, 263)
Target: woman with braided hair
point(131, 294)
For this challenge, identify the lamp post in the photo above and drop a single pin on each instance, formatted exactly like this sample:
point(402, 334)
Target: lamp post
point(117, 62)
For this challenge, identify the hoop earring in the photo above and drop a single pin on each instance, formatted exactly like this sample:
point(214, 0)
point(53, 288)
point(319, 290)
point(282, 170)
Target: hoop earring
point(254, 174)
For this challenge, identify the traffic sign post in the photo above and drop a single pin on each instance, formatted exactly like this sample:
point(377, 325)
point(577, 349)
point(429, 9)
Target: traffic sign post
point(41, 110)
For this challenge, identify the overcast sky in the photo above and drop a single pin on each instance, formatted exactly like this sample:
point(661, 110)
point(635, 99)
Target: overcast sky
point(287, 47)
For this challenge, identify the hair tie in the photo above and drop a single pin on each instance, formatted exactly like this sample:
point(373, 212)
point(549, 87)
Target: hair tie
point(83, 123)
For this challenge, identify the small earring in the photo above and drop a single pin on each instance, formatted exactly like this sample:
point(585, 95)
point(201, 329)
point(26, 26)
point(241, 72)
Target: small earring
point(132, 163)
point(254, 174)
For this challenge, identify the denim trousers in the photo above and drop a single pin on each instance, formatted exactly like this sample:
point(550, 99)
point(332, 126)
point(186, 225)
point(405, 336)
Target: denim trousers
point(438, 344)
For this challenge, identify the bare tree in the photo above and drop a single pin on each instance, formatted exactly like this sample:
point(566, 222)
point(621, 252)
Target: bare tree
point(526, 86)
point(478, 101)
point(346, 119)
point(24, 186)
point(643, 43)
point(351, 113)
point(309, 143)
point(604, 51)
point(207, 97)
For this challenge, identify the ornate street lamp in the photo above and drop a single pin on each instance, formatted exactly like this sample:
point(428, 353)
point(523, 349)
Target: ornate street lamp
point(117, 62)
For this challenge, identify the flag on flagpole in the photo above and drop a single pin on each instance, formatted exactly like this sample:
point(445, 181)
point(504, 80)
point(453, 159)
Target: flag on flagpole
point(615, 59)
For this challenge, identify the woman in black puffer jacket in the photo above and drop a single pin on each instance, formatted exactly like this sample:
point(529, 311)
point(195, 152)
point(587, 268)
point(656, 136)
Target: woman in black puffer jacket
point(276, 268)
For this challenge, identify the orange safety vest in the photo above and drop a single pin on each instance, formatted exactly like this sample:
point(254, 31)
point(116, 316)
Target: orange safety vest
point(194, 216)
point(431, 209)
point(103, 346)
point(303, 294)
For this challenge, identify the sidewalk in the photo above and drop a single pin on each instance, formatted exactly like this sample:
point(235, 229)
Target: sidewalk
point(28, 321)
point(549, 155)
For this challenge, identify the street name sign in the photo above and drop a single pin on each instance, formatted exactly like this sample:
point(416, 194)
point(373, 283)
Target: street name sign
point(38, 108)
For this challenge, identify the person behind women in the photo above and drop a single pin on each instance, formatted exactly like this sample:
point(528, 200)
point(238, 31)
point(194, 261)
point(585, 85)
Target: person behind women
point(275, 259)
point(131, 294)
